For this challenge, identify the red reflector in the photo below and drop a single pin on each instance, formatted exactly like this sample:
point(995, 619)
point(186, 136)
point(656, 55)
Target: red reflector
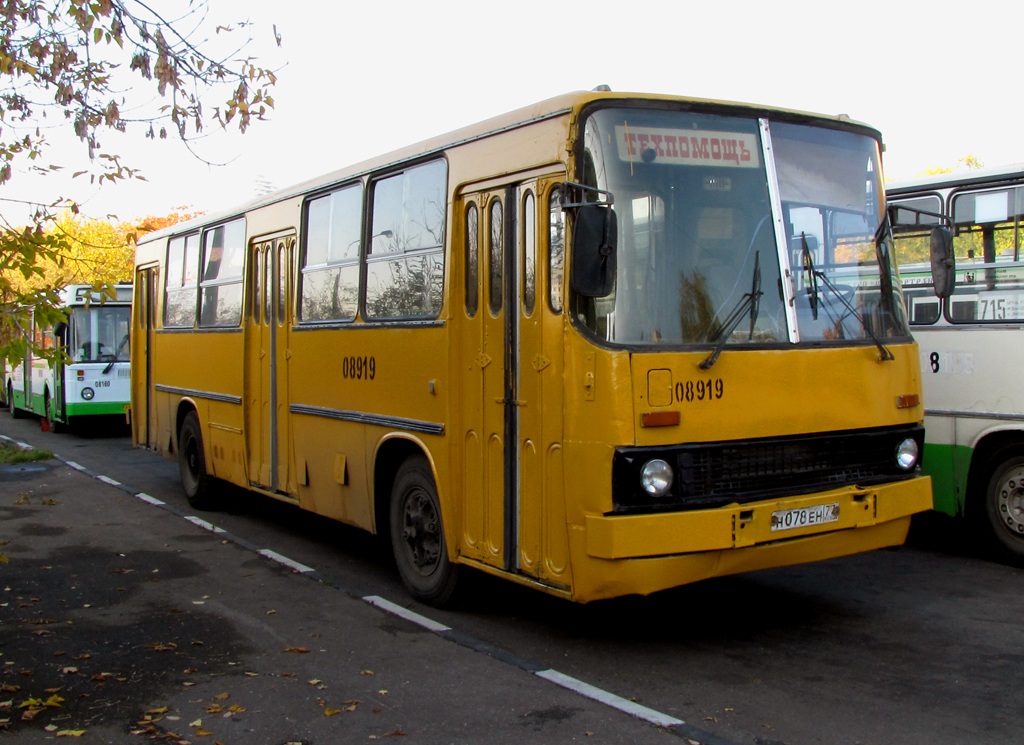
point(909, 401)
point(81, 374)
point(659, 419)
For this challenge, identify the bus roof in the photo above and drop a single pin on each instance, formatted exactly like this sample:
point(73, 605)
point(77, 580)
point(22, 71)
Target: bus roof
point(960, 178)
point(86, 294)
point(550, 108)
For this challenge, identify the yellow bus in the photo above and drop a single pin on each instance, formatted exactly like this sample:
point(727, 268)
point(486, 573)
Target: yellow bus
point(606, 344)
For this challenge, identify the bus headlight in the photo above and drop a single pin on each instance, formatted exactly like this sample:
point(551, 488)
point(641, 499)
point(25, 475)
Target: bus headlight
point(656, 477)
point(88, 393)
point(907, 454)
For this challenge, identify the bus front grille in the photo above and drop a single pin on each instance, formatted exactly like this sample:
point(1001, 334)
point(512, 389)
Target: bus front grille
point(708, 475)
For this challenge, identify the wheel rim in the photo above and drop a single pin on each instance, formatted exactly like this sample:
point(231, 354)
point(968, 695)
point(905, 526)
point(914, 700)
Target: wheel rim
point(1010, 501)
point(421, 531)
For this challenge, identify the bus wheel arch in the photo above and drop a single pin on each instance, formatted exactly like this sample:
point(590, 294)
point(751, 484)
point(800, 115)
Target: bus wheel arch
point(415, 526)
point(995, 501)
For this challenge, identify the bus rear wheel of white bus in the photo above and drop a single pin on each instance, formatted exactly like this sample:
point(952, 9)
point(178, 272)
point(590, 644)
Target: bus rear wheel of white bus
point(417, 535)
point(1004, 506)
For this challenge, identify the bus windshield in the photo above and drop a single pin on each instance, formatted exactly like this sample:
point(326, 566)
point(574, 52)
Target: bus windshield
point(700, 222)
point(99, 333)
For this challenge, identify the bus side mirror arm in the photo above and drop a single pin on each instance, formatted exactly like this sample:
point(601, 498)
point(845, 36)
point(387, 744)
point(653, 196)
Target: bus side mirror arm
point(943, 262)
point(594, 248)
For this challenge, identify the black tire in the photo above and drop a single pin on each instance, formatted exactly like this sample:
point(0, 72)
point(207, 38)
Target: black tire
point(16, 413)
point(417, 535)
point(192, 463)
point(1002, 520)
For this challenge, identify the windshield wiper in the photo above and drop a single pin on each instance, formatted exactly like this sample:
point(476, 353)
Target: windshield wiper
point(117, 355)
point(749, 305)
point(812, 290)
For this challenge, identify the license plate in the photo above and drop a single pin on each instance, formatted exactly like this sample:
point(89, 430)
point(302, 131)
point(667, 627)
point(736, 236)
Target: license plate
point(804, 517)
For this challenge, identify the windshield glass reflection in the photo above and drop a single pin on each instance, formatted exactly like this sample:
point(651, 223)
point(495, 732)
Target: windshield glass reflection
point(698, 257)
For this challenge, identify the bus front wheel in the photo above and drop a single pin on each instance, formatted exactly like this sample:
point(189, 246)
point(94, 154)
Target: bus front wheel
point(192, 463)
point(52, 423)
point(1004, 506)
point(417, 535)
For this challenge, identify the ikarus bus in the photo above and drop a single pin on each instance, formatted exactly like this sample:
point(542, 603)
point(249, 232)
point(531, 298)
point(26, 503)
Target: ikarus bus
point(597, 346)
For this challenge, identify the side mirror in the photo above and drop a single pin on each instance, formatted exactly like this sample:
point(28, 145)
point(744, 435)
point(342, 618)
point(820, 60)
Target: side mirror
point(60, 332)
point(594, 243)
point(943, 262)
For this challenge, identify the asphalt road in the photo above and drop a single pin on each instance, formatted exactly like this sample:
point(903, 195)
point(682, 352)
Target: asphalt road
point(921, 645)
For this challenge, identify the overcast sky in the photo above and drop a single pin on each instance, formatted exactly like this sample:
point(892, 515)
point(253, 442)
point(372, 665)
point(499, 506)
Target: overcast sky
point(360, 79)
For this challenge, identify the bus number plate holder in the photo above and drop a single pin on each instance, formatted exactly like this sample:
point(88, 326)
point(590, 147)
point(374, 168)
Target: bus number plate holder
point(805, 517)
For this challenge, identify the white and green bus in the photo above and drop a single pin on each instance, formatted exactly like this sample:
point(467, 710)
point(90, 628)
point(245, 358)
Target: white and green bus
point(970, 334)
point(95, 379)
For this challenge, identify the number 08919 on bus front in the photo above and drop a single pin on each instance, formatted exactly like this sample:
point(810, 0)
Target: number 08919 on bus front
point(607, 344)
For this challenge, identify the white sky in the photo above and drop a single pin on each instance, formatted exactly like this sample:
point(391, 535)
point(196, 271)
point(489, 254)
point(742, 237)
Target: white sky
point(360, 79)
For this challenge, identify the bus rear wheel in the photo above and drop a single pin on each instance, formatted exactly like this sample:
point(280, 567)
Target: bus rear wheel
point(417, 535)
point(1003, 523)
point(192, 464)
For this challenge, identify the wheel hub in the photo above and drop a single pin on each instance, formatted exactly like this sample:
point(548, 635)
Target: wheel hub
point(1010, 501)
point(420, 530)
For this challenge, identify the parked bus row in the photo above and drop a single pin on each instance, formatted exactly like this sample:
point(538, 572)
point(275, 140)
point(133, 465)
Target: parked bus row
point(93, 383)
point(606, 344)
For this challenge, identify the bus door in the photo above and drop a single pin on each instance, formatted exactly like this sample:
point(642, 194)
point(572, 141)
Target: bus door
point(512, 411)
point(267, 353)
point(144, 314)
point(58, 372)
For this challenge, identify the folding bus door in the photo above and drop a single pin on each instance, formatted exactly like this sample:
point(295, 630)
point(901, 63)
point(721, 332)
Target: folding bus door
point(510, 347)
point(267, 355)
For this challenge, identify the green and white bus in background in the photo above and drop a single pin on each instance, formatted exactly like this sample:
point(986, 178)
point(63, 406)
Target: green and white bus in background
point(95, 380)
point(966, 307)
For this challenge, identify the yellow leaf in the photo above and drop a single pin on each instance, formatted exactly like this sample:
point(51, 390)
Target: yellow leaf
point(328, 712)
point(161, 710)
point(71, 733)
point(222, 696)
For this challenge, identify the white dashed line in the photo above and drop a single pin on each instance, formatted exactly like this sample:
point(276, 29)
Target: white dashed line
point(609, 699)
point(274, 556)
point(407, 614)
point(203, 524)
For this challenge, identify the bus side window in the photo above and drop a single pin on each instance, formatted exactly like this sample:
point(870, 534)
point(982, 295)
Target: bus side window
point(556, 249)
point(472, 259)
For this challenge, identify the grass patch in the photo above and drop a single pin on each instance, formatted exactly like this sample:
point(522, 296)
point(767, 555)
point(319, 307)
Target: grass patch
point(11, 454)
